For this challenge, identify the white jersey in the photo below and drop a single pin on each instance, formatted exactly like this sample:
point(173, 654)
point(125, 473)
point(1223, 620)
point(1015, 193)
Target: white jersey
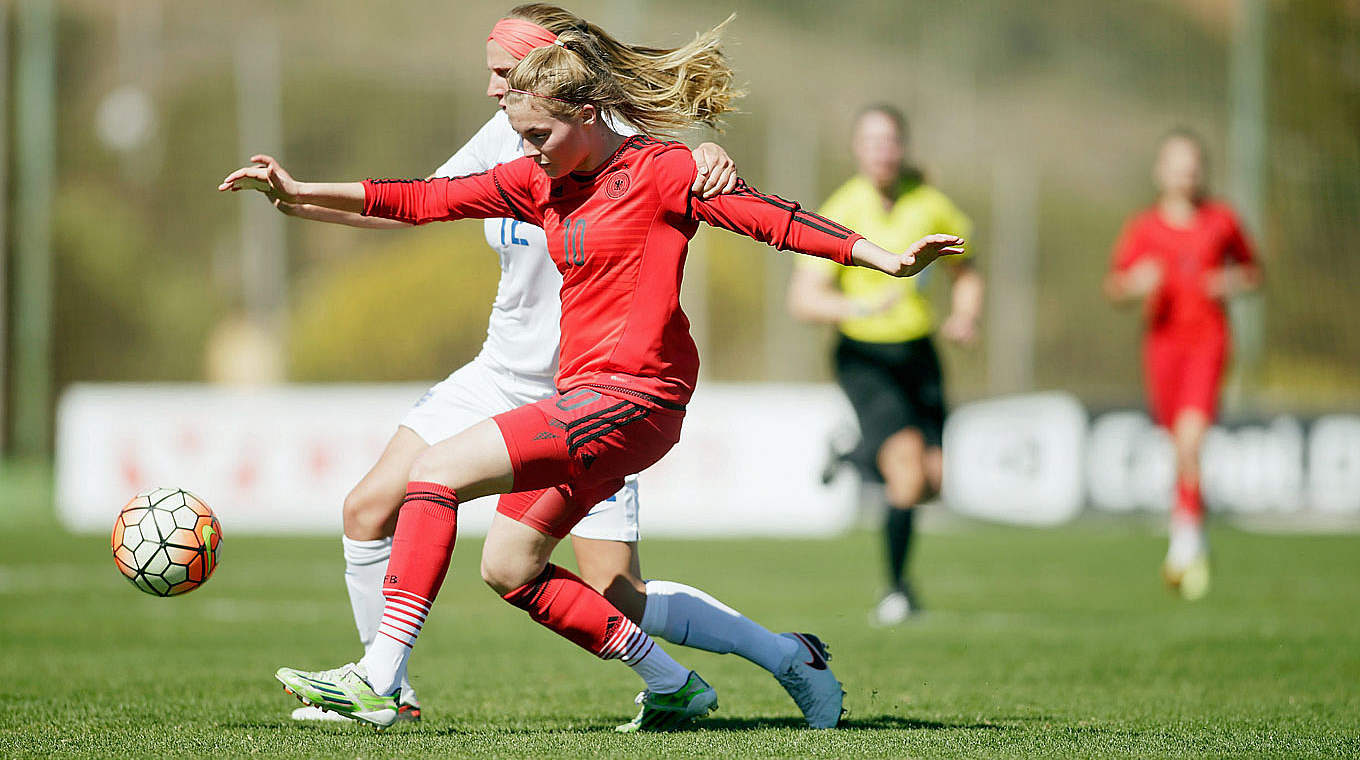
point(519, 357)
point(523, 332)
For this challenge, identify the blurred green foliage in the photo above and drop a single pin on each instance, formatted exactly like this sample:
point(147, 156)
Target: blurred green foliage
point(1073, 92)
point(122, 309)
point(397, 312)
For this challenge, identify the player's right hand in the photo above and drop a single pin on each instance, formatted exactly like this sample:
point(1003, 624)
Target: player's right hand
point(1143, 278)
point(716, 172)
point(266, 175)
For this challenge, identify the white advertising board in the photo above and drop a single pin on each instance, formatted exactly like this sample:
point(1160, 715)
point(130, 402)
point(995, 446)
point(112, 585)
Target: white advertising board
point(281, 459)
point(1017, 459)
point(1277, 468)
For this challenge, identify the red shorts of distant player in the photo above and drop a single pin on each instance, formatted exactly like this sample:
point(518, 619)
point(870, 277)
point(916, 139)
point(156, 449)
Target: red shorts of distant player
point(573, 450)
point(1183, 372)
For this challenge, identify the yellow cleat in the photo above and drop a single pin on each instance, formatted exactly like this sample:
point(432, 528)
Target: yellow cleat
point(1194, 579)
point(1171, 576)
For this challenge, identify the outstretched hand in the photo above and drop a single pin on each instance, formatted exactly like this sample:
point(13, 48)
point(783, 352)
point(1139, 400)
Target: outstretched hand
point(266, 175)
point(923, 252)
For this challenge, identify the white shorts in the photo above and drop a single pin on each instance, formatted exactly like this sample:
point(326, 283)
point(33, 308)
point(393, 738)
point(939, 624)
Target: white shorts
point(478, 390)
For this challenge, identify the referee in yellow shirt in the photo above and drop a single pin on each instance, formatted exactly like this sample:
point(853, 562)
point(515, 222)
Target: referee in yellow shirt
point(885, 359)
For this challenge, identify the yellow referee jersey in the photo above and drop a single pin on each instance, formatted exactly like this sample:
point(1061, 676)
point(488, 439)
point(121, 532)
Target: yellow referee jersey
point(919, 210)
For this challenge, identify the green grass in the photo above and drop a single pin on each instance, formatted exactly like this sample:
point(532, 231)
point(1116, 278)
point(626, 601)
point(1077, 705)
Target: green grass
point(1037, 644)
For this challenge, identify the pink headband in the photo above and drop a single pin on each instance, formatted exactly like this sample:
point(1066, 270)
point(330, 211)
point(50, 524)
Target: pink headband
point(518, 36)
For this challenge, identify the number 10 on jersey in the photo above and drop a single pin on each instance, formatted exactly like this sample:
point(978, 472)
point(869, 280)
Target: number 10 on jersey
point(574, 241)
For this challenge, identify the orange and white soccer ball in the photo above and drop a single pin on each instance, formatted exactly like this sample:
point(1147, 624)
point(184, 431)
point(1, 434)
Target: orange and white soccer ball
point(166, 541)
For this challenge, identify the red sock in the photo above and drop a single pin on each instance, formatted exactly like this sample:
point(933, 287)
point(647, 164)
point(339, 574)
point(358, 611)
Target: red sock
point(564, 603)
point(1189, 504)
point(426, 528)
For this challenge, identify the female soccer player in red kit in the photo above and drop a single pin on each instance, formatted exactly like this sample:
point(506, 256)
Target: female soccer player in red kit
point(618, 216)
point(1183, 257)
point(516, 365)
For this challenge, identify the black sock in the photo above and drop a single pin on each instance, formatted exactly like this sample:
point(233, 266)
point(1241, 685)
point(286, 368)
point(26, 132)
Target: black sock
point(898, 533)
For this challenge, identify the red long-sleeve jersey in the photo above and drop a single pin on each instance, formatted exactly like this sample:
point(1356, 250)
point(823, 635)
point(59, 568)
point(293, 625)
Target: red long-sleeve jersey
point(1182, 306)
point(619, 236)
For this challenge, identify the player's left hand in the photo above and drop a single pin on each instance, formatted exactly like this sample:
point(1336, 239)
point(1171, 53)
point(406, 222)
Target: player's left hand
point(923, 252)
point(287, 209)
point(960, 329)
point(717, 172)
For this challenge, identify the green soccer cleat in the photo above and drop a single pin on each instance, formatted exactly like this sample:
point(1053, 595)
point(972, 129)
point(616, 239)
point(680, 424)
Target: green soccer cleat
point(667, 712)
point(344, 690)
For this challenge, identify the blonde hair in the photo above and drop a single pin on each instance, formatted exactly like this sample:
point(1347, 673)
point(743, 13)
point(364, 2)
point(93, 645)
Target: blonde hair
point(657, 90)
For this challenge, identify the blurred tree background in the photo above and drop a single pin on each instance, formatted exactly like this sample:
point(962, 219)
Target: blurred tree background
point(1039, 119)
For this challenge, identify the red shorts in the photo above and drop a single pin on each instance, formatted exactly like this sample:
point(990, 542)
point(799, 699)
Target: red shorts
point(571, 451)
point(1183, 372)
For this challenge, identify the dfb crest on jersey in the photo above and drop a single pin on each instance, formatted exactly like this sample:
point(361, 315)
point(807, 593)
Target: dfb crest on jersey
point(617, 185)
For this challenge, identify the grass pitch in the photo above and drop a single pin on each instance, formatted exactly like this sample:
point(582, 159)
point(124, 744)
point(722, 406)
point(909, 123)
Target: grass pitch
point(1036, 644)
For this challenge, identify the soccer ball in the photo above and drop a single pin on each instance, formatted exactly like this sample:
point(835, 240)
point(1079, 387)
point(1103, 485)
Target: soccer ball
point(165, 541)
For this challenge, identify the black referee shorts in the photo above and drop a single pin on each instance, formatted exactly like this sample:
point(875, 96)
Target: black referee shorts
point(892, 386)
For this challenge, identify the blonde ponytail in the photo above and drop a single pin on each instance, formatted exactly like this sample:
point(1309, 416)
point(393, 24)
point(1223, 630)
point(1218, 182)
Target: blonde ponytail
point(657, 90)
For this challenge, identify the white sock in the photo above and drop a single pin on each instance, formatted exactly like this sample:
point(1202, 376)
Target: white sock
point(385, 664)
point(687, 616)
point(365, 566)
point(661, 673)
point(1186, 542)
point(657, 669)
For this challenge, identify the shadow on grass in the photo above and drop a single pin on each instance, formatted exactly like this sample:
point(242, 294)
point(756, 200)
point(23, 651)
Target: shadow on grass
point(863, 723)
point(357, 729)
point(731, 724)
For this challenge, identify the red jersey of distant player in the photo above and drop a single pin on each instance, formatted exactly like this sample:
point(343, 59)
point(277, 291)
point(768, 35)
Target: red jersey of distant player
point(619, 235)
point(1186, 345)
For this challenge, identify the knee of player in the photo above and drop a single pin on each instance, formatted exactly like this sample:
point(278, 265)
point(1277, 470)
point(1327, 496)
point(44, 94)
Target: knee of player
point(901, 466)
point(502, 576)
point(905, 448)
point(1187, 462)
point(1187, 451)
point(425, 467)
point(365, 514)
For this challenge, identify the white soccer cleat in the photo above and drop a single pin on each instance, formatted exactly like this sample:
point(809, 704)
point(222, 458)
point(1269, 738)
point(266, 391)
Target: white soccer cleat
point(811, 683)
point(313, 713)
point(408, 710)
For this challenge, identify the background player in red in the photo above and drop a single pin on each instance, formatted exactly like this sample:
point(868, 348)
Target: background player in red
point(1183, 257)
point(618, 215)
